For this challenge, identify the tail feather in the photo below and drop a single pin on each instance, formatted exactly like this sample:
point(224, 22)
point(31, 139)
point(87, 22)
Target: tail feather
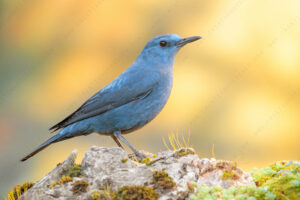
point(53, 139)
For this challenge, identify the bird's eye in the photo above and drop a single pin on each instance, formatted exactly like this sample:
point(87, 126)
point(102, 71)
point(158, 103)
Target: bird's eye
point(163, 43)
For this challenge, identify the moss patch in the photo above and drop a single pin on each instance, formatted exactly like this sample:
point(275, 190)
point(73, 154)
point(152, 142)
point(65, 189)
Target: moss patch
point(96, 195)
point(74, 171)
point(79, 187)
point(18, 190)
point(64, 179)
point(147, 161)
point(67, 175)
point(241, 192)
point(230, 175)
point(227, 165)
point(280, 180)
point(162, 180)
point(230, 170)
point(184, 152)
point(100, 195)
point(135, 193)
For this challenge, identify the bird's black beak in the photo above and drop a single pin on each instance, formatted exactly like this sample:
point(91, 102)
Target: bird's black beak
point(186, 40)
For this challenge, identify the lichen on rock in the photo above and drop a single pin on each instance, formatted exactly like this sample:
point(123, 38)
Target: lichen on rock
point(162, 180)
point(184, 152)
point(135, 192)
point(64, 179)
point(18, 190)
point(74, 171)
point(79, 187)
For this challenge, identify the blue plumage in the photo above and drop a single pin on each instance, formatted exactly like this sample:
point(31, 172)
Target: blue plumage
point(132, 100)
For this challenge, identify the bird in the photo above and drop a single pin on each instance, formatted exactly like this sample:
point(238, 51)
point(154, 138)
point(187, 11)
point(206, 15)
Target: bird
point(129, 102)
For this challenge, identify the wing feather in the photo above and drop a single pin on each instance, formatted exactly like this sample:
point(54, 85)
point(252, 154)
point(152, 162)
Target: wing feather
point(118, 93)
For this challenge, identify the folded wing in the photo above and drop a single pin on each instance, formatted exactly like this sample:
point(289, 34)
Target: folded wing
point(125, 89)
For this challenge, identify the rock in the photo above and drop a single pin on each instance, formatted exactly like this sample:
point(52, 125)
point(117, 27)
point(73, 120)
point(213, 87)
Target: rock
point(40, 190)
point(108, 171)
point(104, 166)
point(222, 173)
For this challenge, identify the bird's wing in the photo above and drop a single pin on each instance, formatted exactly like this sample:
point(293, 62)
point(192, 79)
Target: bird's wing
point(123, 90)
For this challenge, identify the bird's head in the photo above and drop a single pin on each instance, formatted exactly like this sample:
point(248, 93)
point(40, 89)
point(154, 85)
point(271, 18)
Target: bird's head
point(162, 49)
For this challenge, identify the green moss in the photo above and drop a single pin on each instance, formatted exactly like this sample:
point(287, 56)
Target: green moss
point(96, 195)
point(64, 179)
point(135, 193)
point(147, 161)
point(124, 160)
point(161, 179)
point(18, 190)
point(79, 187)
point(280, 180)
point(103, 194)
point(230, 170)
point(184, 152)
point(125, 193)
point(227, 166)
point(230, 175)
point(100, 195)
point(74, 171)
point(249, 192)
point(67, 175)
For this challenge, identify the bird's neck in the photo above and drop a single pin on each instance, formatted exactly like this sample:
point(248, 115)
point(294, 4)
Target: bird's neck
point(156, 58)
point(165, 69)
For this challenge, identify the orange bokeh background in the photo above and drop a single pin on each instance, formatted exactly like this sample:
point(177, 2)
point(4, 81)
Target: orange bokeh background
point(236, 89)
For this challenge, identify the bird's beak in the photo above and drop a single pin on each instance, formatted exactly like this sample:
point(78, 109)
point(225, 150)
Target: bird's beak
point(186, 40)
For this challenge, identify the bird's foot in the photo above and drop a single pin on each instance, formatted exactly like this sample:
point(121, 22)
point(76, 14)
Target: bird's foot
point(139, 156)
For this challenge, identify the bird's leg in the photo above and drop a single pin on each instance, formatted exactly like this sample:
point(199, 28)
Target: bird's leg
point(117, 141)
point(138, 154)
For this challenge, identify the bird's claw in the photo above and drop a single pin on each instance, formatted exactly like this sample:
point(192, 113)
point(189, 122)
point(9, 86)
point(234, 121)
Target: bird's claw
point(138, 155)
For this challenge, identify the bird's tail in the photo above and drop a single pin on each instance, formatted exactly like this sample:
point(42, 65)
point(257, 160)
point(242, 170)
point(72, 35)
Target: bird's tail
point(53, 139)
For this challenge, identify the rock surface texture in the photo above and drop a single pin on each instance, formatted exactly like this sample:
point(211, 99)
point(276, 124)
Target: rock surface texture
point(106, 172)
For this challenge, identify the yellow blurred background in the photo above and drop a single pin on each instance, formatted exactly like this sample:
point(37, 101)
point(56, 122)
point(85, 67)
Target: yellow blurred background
point(236, 89)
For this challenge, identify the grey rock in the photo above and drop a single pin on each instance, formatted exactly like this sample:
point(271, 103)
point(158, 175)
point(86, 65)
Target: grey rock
point(40, 190)
point(104, 167)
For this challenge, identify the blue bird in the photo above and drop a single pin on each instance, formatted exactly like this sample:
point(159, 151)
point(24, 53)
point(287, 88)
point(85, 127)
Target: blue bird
point(131, 101)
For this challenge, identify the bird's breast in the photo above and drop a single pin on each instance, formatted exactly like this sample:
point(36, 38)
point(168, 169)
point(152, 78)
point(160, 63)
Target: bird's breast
point(160, 94)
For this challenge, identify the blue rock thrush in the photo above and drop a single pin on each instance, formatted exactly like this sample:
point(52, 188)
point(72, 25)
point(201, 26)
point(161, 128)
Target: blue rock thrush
point(128, 103)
